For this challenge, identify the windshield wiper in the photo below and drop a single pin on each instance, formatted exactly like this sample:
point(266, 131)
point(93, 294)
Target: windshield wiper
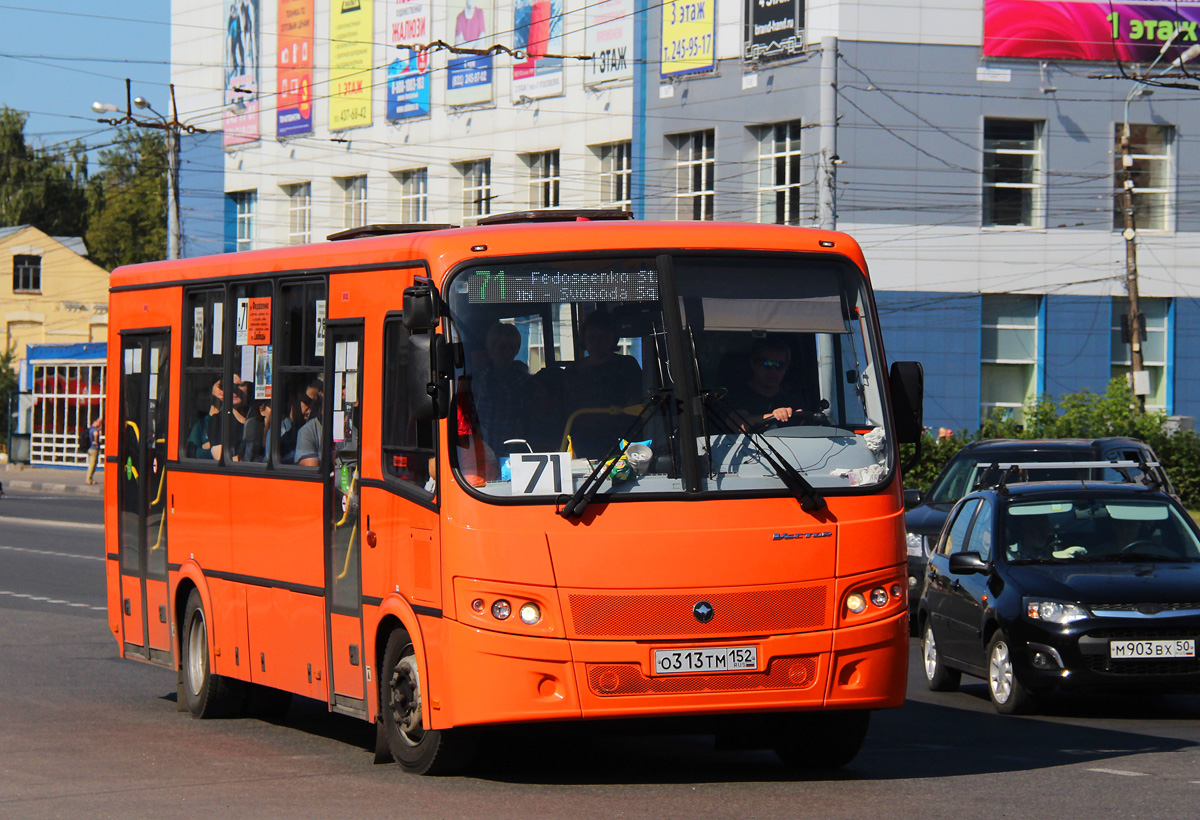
point(579, 500)
point(810, 500)
point(1143, 557)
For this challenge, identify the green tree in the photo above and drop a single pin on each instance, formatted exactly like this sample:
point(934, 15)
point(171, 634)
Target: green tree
point(40, 186)
point(8, 384)
point(128, 200)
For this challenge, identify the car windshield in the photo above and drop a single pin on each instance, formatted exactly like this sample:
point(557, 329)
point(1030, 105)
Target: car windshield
point(561, 361)
point(963, 472)
point(1098, 528)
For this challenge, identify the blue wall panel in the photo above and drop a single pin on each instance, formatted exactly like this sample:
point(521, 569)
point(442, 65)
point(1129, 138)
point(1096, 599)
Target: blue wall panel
point(201, 194)
point(941, 331)
point(1077, 344)
point(1187, 364)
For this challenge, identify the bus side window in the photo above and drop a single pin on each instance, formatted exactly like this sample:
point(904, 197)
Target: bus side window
point(408, 445)
point(298, 371)
point(203, 366)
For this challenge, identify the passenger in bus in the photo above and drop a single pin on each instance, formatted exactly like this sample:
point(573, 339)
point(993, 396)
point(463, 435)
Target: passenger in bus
point(603, 378)
point(763, 398)
point(502, 388)
point(239, 406)
point(254, 432)
point(289, 428)
point(308, 440)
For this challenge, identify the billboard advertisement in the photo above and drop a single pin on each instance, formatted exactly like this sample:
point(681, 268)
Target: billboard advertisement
point(352, 33)
point(537, 31)
point(469, 77)
point(240, 121)
point(407, 22)
point(1102, 31)
point(774, 28)
point(293, 114)
point(688, 35)
point(609, 39)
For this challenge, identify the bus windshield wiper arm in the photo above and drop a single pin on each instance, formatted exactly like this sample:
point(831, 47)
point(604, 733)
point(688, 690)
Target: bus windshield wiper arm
point(580, 499)
point(810, 500)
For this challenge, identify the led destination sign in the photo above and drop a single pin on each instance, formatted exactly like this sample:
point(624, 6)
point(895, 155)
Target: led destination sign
point(500, 285)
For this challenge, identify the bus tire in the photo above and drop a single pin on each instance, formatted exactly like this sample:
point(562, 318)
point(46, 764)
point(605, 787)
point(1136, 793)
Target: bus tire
point(418, 750)
point(821, 740)
point(206, 694)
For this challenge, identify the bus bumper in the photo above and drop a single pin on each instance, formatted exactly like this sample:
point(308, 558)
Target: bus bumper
point(502, 678)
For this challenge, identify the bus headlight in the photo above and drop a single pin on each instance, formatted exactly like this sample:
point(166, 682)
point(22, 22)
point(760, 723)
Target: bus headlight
point(856, 603)
point(530, 614)
point(501, 609)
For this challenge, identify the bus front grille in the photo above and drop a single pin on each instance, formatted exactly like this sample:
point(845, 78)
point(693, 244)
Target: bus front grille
point(642, 616)
point(617, 679)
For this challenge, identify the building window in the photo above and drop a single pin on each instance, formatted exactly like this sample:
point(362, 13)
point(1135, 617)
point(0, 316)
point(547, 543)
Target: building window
point(695, 170)
point(476, 187)
point(543, 179)
point(245, 203)
point(1010, 347)
point(779, 173)
point(1150, 157)
point(354, 201)
point(1013, 173)
point(299, 213)
point(27, 273)
point(414, 195)
point(1155, 316)
point(616, 173)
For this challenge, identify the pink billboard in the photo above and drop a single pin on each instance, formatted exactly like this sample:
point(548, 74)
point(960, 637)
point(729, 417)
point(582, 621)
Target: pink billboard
point(1101, 31)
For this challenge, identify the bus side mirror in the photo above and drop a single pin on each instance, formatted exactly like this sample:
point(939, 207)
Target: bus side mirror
point(421, 306)
point(907, 381)
point(428, 382)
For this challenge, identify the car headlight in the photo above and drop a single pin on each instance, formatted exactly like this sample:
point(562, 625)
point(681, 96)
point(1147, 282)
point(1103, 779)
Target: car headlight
point(1054, 612)
point(916, 544)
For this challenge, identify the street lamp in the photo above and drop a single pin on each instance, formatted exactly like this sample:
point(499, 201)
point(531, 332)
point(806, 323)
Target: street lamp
point(171, 127)
point(1140, 383)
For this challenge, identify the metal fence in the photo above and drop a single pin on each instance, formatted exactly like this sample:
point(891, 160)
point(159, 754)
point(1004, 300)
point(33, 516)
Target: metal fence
point(67, 397)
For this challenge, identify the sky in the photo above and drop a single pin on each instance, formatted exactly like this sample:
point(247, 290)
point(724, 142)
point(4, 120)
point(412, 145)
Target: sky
point(57, 57)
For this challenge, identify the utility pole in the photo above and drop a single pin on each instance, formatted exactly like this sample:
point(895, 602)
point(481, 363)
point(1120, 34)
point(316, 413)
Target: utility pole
point(1136, 360)
point(827, 202)
point(171, 128)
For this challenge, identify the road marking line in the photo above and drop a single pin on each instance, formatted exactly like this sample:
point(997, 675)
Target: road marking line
point(53, 554)
point(42, 599)
point(36, 522)
point(1119, 772)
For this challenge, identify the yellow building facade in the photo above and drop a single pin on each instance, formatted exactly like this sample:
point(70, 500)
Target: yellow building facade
point(50, 293)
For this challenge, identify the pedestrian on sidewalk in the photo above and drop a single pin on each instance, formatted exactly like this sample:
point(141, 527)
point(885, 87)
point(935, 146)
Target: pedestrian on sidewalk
point(93, 453)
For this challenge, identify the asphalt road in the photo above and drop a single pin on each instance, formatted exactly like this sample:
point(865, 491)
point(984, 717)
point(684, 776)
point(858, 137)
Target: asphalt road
point(84, 734)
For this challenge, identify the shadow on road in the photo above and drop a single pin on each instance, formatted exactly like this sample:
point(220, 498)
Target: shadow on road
point(921, 740)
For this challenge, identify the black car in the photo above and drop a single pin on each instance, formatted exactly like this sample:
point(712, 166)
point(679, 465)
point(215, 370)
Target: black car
point(927, 512)
point(1065, 584)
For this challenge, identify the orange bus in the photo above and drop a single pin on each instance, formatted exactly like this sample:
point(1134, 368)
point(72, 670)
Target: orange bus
point(552, 467)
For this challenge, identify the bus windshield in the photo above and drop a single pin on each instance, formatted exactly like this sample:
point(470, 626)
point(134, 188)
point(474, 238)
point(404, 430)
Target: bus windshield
point(567, 366)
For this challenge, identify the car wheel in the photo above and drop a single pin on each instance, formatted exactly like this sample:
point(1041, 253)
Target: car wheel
point(1009, 695)
point(939, 678)
point(418, 750)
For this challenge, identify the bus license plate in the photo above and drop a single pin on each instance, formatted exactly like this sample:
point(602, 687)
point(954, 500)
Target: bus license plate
point(1184, 648)
point(706, 659)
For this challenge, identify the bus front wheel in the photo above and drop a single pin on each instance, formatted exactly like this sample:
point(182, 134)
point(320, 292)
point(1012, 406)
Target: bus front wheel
point(207, 695)
point(418, 750)
point(821, 740)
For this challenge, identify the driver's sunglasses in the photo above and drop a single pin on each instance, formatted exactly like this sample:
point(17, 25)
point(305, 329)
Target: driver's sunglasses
point(772, 363)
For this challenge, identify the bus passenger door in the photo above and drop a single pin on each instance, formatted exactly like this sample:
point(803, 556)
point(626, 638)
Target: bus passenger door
point(343, 554)
point(141, 495)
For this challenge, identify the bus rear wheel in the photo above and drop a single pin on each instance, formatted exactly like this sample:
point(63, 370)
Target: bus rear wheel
point(418, 750)
point(207, 695)
point(821, 740)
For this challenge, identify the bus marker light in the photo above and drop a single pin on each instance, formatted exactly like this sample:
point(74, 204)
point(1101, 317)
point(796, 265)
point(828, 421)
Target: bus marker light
point(530, 614)
point(897, 590)
point(501, 609)
point(477, 605)
point(879, 596)
point(856, 603)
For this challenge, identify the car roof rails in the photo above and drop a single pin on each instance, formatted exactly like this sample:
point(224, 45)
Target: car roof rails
point(557, 215)
point(388, 229)
point(1000, 474)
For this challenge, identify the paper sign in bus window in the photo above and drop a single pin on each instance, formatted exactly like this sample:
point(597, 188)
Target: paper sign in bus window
point(541, 473)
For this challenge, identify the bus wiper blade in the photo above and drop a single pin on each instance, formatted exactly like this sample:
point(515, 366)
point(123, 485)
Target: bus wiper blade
point(810, 500)
point(579, 500)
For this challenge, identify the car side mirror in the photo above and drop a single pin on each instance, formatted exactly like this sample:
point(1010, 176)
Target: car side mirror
point(912, 498)
point(967, 563)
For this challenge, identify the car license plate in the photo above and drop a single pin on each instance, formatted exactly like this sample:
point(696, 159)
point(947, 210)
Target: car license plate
point(705, 659)
point(1184, 648)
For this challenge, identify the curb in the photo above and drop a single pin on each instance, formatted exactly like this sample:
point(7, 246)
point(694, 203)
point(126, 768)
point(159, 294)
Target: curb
point(43, 487)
